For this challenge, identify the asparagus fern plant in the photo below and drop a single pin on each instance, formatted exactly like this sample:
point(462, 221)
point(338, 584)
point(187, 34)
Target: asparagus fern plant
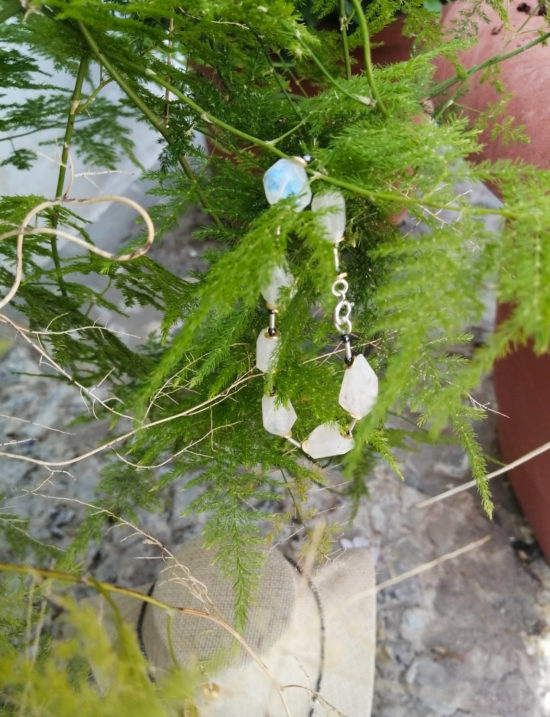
point(263, 81)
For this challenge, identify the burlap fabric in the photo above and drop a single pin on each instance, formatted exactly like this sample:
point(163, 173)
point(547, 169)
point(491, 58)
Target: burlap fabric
point(318, 650)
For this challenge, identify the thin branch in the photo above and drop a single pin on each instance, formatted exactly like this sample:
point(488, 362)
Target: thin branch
point(40, 350)
point(95, 327)
point(205, 405)
point(161, 391)
point(185, 449)
point(287, 133)
point(34, 423)
point(169, 63)
point(472, 484)
point(489, 62)
point(326, 74)
point(211, 119)
point(431, 564)
point(344, 32)
point(347, 604)
point(373, 195)
point(73, 109)
point(197, 588)
point(368, 59)
point(148, 113)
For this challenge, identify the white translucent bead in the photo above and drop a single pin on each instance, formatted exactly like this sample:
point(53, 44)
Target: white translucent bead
point(277, 418)
point(280, 278)
point(333, 218)
point(287, 178)
point(359, 388)
point(327, 440)
point(265, 347)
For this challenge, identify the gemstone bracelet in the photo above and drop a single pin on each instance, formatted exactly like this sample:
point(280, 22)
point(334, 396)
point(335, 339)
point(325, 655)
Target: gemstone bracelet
point(288, 178)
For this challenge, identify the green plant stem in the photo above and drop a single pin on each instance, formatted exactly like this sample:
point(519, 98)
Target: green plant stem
point(344, 32)
point(288, 132)
point(286, 66)
point(401, 199)
point(208, 118)
point(91, 98)
point(211, 119)
point(297, 511)
point(368, 59)
point(269, 147)
point(102, 587)
point(151, 116)
point(489, 62)
point(73, 109)
point(293, 105)
point(107, 589)
point(330, 78)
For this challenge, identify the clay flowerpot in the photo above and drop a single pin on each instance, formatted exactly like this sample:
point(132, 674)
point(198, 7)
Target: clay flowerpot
point(522, 385)
point(522, 380)
point(525, 76)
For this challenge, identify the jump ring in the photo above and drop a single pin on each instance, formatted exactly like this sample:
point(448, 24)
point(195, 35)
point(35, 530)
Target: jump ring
point(342, 313)
point(340, 292)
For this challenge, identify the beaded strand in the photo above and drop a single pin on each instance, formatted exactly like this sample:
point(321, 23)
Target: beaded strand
point(286, 178)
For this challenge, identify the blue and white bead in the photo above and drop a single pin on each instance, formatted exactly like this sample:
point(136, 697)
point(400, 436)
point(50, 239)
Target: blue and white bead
point(287, 178)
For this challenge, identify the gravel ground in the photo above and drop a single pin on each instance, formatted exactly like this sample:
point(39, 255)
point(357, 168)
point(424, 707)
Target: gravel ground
point(467, 636)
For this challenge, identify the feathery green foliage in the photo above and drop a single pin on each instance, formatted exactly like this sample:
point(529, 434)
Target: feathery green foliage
point(260, 81)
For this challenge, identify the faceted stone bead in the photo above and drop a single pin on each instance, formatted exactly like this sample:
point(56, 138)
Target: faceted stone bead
point(359, 388)
point(265, 347)
point(287, 178)
point(327, 440)
point(280, 278)
point(333, 219)
point(277, 418)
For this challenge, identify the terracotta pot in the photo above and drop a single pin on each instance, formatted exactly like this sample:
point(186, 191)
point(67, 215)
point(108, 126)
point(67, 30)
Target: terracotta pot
point(526, 76)
point(522, 380)
point(522, 385)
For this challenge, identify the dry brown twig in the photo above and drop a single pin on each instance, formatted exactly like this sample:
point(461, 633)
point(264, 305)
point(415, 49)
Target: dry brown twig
point(472, 484)
point(185, 449)
point(194, 410)
point(23, 333)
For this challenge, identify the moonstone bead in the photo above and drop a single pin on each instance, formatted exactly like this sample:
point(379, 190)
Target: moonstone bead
point(277, 418)
point(265, 347)
point(280, 278)
point(326, 440)
point(359, 388)
point(333, 219)
point(287, 178)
